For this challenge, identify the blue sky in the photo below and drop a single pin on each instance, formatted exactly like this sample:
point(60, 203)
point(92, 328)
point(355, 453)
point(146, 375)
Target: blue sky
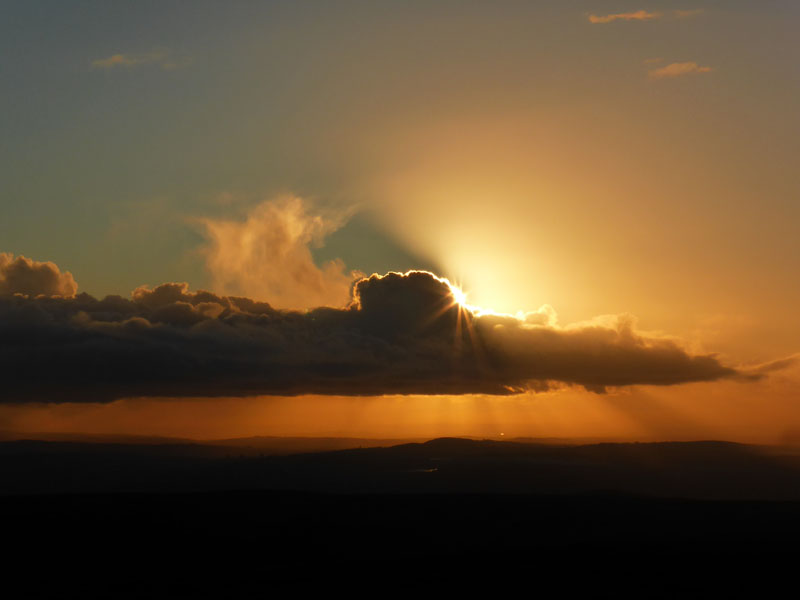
point(376, 107)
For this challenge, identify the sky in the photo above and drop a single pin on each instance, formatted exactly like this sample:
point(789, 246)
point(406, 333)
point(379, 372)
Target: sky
point(579, 169)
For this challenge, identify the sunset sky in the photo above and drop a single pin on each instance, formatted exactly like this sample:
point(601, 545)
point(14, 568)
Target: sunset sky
point(613, 185)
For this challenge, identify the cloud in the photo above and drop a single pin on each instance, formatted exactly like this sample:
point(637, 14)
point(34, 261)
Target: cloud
point(639, 15)
point(780, 364)
point(643, 15)
point(29, 277)
point(685, 14)
point(677, 70)
point(162, 57)
point(401, 334)
point(267, 256)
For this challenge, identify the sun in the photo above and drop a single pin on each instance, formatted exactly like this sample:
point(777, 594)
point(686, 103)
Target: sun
point(459, 299)
point(459, 295)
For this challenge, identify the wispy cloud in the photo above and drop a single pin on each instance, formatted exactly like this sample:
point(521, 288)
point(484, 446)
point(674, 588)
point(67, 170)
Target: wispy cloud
point(685, 14)
point(643, 15)
point(160, 57)
point(677, 70)
point(267, 256)
point(639, 15)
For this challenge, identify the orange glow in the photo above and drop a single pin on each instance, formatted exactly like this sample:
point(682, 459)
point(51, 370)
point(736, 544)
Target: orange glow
point(765, 412)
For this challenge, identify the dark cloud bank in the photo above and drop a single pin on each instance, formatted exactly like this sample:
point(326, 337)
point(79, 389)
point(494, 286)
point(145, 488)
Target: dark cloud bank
point(402, 334)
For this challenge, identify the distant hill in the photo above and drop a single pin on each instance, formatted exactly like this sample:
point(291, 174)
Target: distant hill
point(253, 444)
point(293, 445)
point(704, 469)
point(187, 519)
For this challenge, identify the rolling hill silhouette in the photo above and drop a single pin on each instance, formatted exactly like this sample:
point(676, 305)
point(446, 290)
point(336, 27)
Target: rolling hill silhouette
point(703, 470)
point(449, 515)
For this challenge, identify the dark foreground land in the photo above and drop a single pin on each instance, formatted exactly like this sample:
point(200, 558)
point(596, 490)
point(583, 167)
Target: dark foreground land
point(446, 517)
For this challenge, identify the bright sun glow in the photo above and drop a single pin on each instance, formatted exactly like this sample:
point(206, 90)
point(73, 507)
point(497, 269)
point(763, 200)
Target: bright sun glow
point(460, 300)
point(459, 295)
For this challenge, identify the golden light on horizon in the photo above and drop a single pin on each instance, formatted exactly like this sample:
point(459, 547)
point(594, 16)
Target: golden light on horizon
point(553, 197)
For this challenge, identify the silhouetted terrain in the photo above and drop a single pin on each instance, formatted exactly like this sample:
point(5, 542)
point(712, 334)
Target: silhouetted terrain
point(605, 520)
point(256, 445)
point(708, 470)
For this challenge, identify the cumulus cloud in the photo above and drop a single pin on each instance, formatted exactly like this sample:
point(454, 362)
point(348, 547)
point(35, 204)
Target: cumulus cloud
point(677, 70)
point(161, 57)
point(401, 334)
point(639, 15)
point(267, 256)
point(29, 277)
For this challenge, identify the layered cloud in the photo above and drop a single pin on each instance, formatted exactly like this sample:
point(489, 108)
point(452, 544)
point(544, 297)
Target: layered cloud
point(678, 70)
point(401, 334)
